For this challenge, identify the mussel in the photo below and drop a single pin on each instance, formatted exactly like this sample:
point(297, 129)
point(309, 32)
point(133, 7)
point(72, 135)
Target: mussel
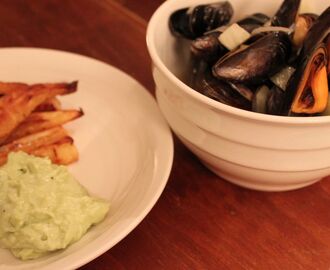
point(275, 101)
point(286, 14)
point(278, 65)
point(209, 48)
point(221, 91)
point(193, 22)
point(257, 62)
point(254, 19)
point(308, 88)
point(303, 23)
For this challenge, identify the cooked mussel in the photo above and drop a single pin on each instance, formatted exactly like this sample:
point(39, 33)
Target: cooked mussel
point(209, 48)
point(275, 101)
point(195, 21)
point(307, 92)
point(286, 14)
point(221, 91)
point(254, 19)
point(257, 62)
point(303, 23)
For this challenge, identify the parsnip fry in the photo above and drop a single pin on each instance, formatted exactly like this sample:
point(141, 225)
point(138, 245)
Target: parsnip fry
point(8, 87)
point(32, 142)
point(52, 104)
point(38, 121)
point(62, 152)
point(17, 105)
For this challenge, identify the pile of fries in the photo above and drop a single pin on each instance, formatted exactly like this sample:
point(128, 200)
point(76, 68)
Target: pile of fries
point(31, 120)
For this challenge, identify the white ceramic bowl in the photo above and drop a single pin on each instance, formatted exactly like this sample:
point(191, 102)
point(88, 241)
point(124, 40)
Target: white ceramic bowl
point(252, 150)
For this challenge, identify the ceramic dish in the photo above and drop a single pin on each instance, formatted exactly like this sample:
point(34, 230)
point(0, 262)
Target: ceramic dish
point(253, 150)
point(125, 146)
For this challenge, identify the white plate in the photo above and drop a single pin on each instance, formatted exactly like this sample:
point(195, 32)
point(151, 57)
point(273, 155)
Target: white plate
point(126, 148)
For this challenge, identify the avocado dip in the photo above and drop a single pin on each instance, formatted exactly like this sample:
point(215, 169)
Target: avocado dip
point(42, 207)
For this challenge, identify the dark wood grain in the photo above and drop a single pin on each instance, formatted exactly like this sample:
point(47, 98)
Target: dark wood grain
point(200, 221)
point(144, 9)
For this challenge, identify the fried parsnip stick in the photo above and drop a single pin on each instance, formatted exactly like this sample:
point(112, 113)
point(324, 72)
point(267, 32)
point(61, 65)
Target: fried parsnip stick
point(8, 87)
point(32, 142)
point(62, 152)
point(38, 121)
point(52, 104)
point(16, 106)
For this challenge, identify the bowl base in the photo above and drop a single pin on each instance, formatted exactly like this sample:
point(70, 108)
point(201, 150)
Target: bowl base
point(258, 186)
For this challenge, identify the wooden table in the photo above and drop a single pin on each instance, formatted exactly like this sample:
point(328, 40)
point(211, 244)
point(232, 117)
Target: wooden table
point(200, 221)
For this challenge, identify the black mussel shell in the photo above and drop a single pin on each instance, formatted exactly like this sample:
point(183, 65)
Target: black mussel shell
point(243, 90)
point(286, 14)
point(253, 21)
point(195, 21)
point(222, 92)
point(208, 47)
point(275, 101)
point(197, 74)
point(256, 18)
point(254, 64)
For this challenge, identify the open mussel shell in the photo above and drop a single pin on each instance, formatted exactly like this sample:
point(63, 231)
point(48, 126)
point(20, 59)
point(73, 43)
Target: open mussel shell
point(303, 23)
point(257, 62)
point(309, 84)
point(195, 21)
point(308, 88)
point(317, 34)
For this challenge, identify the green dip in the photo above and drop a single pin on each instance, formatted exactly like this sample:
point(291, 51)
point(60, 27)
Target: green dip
point(42, 207)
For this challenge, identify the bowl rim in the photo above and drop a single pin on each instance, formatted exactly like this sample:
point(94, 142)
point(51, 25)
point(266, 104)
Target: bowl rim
point(160, 14)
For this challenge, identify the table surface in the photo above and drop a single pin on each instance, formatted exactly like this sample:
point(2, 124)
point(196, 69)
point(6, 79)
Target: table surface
point(200, 221)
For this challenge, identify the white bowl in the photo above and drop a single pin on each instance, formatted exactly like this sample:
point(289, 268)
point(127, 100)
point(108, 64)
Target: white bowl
point(257, 151)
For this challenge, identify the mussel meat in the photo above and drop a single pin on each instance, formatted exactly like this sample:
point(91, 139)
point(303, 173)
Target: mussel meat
point(193, 22)
point(308, 89)
point(257, 62)
point(303, 23)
